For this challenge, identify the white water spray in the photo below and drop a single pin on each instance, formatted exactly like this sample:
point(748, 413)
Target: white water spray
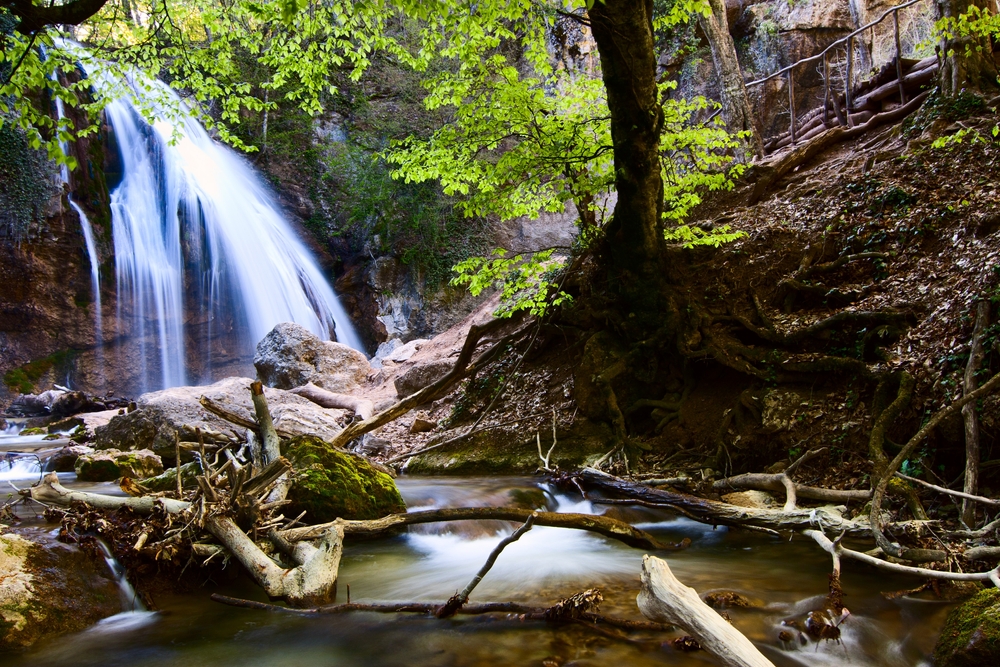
point(198, 237)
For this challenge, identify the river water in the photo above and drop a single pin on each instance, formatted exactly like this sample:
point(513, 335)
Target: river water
point(786, 578)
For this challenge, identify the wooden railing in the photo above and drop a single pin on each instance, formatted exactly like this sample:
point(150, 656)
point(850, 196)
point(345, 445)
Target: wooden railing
point(848, 79)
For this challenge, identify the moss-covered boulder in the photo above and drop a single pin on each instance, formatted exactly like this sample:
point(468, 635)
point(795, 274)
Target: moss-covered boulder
point(48, 588)
point(331, 484)
point(971, 635)
point(110, 464)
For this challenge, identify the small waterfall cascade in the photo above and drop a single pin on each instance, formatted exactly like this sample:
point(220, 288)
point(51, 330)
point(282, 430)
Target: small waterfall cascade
point(130, 600)
point(89, 242)
point(200, 241)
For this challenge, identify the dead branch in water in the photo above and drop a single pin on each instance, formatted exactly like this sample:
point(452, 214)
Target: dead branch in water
point(606, 526)
point(783, 482)
point(456, 601)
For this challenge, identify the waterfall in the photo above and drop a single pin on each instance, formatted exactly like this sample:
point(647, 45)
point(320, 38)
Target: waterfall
point(199, 239)
point(91, 245)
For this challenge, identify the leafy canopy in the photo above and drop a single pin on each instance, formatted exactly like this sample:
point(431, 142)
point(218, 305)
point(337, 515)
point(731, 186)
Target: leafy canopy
point(525, 136)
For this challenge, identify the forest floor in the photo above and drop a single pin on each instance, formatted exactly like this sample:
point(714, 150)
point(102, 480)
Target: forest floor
point(930, 214)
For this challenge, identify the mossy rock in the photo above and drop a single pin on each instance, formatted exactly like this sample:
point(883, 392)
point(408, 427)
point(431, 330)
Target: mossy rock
point(971, 635)
point(34, 430)
point(331, 484)
point(168, 480)
point(110, 464)
point(505, 451)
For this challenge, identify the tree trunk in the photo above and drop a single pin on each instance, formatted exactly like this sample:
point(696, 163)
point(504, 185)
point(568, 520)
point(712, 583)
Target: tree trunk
point(623, 30)
point(736, 109)
point(966, 60)
point(969, 413)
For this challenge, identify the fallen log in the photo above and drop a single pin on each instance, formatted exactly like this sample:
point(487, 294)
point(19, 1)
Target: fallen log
point(602, 525)
point(714, 512)
point(783, 482)
point(838, 550)
point(361, 407)
point(464, 366)
point(666, 600)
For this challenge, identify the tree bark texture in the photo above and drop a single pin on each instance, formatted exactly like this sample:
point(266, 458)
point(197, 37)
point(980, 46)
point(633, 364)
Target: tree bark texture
point(623, 30)
point(969, 413)
point(736, 109)
point(666, 600)
point(966, 60)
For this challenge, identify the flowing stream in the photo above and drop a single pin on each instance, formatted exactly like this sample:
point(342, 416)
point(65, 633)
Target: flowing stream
point(785, 579)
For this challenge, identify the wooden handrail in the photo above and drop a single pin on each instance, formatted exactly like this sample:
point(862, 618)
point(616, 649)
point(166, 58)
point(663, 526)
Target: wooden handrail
point(839, 42)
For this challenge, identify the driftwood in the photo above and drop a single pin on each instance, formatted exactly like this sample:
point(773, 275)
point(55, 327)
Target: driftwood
point(971, 485)
point(232, 417)
point(665, 599)
point(839, 551)
point(361, 407)
point(606, 526)
point(783, 482)
point(719, 513)
point(522, 612)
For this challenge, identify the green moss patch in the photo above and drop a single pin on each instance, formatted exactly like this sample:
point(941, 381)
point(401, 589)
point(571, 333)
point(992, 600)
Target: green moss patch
point(23, 378)
point(330, 484)
point(971, 635)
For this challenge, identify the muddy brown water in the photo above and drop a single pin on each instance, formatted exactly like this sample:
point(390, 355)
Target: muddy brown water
point(785, 578)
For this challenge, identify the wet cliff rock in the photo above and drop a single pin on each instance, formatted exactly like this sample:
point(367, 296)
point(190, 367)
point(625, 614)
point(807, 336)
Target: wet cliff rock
point(48, 589)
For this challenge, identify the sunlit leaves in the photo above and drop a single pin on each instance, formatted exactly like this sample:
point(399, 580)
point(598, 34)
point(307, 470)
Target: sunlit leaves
point(525, 283)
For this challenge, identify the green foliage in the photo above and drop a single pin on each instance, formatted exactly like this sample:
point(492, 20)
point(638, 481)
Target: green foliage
point(692, 237)
point(414, 221)
point(524, 283)
point(23, 378)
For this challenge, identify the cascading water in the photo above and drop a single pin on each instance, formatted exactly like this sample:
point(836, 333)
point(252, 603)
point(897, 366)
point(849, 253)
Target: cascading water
point(199, 240)
point(89, 242)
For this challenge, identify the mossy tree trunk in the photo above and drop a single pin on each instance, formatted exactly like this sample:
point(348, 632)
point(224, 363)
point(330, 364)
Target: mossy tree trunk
point(623, 30)
point(966, 60)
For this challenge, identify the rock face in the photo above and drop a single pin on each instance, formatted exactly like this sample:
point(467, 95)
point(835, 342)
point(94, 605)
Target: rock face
point(971, 635)
point(330, 484)
point(163, 415)
point(110, 464)
point(421, 375)
point(65, 459)
point(48, 589)
point(290, 356)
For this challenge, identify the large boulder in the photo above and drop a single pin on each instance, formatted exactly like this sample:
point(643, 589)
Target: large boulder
point(110, 464)
point(971, 634)
point(162, 416)
point(64, 460)
point(291, 356)
point(47, 589)
point(421, 375)
point(331, 484)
